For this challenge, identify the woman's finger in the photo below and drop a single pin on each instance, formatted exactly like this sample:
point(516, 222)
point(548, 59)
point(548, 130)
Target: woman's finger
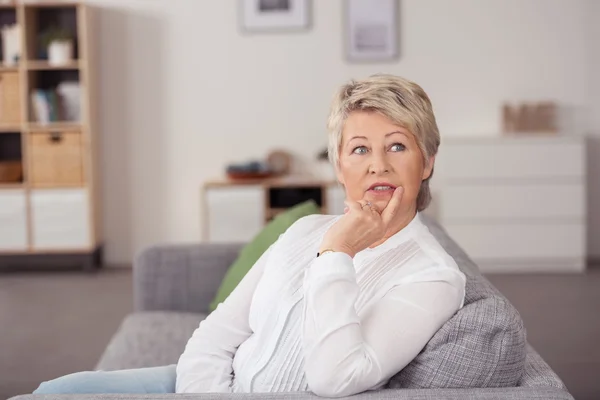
point(368, 206)
point(393, 206)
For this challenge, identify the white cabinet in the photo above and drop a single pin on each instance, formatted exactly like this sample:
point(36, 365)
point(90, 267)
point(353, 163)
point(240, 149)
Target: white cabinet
point(515, 204)
point(60, 219)
point(335, 199)
point(235, 213)
point(13, 220)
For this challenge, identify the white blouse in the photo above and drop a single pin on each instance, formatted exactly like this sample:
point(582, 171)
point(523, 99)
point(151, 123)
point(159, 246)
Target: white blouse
point(334, 325)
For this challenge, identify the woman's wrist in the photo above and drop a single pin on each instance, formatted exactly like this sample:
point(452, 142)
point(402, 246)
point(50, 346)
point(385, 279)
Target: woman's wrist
point(325, 248)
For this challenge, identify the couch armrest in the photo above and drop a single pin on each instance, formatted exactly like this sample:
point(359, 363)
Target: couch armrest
point(180, 278)
point(395, 394)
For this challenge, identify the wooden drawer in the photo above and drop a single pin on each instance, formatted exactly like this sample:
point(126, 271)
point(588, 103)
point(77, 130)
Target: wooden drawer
point(513, 202)
point(60, 219)
point(520, 241)
point(512, 158)
point(56, 158)
point(13, 220)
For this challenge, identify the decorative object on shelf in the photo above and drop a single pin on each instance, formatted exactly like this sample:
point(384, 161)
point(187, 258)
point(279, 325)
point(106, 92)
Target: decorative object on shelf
point(11, 171)
point(372, 30)
point(280, 162)
point(70, 99)
point(323, 155)
point(46, 106)
point(249, 170)
point(538, 117)
point(323, 168)
point(268, 15)
point(59, 43)
point(11, 45)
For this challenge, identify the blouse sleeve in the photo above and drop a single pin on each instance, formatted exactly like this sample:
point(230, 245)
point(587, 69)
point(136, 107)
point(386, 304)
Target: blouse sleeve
point(345, 354)
point(206, 364)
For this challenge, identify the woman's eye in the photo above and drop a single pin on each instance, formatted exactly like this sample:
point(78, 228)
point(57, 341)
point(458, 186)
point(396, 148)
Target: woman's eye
point(359, 150)
point(398, 147)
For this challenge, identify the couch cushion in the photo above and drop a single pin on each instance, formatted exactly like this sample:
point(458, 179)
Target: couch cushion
point(483, 345)
point(258, 245)
point(149, 339)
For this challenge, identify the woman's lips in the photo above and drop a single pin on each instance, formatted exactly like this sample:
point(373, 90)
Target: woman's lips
point(381, 193)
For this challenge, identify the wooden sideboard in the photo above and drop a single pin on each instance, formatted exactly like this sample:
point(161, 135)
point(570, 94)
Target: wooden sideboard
point(235, 211)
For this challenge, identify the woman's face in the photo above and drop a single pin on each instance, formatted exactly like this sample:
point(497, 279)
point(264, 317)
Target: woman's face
point(376, 156)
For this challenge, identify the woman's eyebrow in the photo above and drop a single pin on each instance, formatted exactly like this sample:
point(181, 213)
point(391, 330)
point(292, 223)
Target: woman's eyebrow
point(386, 135)
point(394, 132)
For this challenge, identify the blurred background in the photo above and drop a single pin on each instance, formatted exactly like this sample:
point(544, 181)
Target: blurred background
point(129, 123)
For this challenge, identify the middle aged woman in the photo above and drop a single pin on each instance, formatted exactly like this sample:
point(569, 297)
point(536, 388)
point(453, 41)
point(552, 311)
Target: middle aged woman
point(339, 304)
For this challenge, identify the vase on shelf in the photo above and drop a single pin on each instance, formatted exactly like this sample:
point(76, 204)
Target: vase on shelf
point(60, 52)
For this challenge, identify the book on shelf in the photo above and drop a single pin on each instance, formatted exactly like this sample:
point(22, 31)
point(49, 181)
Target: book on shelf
point(54, 105)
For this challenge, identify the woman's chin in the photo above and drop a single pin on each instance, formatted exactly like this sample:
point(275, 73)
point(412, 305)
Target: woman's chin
point(379, 199)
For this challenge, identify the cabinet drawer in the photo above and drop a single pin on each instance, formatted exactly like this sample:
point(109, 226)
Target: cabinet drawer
point(522, 159)
point(520, 241)
point(517, 202)
point(235, 214)
point(335, 200)
point(60, 219)
point(13, 220)
point(56, 158)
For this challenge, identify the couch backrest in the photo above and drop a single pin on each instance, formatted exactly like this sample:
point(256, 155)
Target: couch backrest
point(483, 345)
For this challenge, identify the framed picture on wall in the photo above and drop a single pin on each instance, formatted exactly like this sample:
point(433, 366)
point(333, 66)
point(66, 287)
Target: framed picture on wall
point(275, 15)
point(372, 31)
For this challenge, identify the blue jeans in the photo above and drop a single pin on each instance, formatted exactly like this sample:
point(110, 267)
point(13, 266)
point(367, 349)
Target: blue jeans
point(138, 381)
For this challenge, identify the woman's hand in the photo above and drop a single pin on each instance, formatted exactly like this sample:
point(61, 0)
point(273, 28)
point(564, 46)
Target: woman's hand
point(361, 226)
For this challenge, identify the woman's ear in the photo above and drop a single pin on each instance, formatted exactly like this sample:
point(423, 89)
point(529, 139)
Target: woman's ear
point(428, 170)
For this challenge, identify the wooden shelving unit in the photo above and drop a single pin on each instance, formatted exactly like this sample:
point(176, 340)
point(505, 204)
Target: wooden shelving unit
point(53, 209)
point(45, 66)
point(53, 126)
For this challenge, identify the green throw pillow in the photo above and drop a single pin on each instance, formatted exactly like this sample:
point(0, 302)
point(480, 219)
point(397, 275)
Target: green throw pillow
point(259, 244)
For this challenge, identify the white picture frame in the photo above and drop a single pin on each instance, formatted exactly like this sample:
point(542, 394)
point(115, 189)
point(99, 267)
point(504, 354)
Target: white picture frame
point(372, 32)
point(275, 15)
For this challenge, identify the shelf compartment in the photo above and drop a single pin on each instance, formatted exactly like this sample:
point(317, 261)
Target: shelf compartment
point(41, 17)
point(11, 159)
point(54, 98)
point(8, 16)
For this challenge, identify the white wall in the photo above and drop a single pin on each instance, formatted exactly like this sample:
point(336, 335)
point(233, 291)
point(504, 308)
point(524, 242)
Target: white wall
point(183, 92)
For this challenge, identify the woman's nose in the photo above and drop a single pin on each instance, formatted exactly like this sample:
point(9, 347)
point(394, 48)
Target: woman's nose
point(379, 165)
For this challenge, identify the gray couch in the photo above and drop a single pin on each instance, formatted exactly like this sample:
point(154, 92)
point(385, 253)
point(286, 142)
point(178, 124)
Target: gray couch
point(481, 353)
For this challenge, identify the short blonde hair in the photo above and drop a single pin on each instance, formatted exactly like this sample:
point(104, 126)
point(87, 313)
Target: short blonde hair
point(404, 102)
